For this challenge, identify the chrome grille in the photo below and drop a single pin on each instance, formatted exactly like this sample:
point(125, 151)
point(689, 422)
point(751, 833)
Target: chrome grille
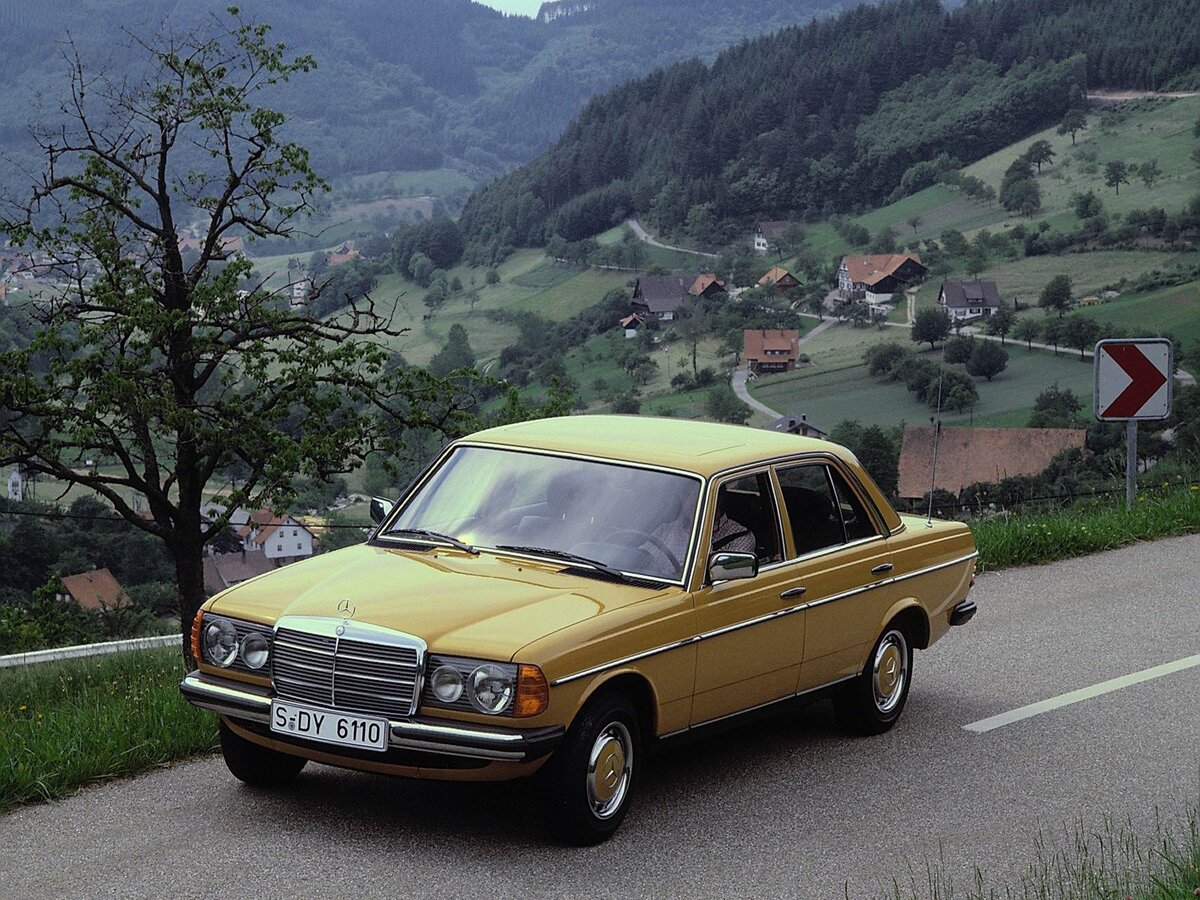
point(366, 669)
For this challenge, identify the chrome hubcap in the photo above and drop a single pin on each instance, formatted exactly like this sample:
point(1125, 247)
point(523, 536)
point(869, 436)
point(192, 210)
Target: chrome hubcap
point(890, 671)
point(610, 765)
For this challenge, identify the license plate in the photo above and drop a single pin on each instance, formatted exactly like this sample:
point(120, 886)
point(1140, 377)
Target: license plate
point(329, 726)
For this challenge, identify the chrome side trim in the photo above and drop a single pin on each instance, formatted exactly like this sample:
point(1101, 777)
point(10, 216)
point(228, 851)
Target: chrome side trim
point(742, 712)
point(625, 660)
point(939, 566)
point(786, 611)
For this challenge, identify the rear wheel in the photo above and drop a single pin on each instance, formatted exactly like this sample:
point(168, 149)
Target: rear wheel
point(257, 766)
point(588, 784)
point(873, 701)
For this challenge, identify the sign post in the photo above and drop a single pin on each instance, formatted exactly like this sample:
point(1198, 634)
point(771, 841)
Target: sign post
point(1134, 380)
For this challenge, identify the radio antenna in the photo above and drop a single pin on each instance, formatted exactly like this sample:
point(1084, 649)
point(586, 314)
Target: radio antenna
point(937, 431)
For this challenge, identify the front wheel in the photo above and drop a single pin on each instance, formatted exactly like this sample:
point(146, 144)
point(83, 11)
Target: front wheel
point(873, 701)
point(588, 784)
point(255, 765)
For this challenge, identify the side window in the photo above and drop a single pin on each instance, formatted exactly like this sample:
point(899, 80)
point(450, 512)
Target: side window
point(812, 508)
point(746, 520)
point(822, 509)
point(858, 522)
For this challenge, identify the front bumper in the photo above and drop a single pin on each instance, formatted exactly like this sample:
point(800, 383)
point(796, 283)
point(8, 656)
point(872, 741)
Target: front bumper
point(438, 736)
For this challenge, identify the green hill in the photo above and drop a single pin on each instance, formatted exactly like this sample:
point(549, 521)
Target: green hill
point(836, 116)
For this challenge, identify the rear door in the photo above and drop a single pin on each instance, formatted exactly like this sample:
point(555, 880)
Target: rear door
point(843, 563)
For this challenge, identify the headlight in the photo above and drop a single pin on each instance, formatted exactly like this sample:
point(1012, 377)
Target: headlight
point(490, 689)
point(446, 684)
point(478, 685)
point(255, 650)
point(220, 642)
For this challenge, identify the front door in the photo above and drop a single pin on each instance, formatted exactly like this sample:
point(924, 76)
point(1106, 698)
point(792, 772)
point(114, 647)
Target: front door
point(748, 654)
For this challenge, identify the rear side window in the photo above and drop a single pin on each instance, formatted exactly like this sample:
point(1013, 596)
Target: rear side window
point(822, 509)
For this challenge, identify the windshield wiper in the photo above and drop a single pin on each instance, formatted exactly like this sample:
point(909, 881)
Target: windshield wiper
point(437, 536)
point(608, 570)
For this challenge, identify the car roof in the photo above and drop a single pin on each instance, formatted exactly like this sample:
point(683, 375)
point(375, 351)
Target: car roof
point(701, 447)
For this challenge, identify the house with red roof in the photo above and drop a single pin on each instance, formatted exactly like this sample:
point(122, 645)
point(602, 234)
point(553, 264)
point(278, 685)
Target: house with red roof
point(277, 535)
point(875, 279)
point(770, 350)
point(97, 590)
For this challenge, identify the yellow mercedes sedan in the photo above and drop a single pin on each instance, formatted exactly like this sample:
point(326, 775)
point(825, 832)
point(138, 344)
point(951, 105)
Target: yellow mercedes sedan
point(553, 598)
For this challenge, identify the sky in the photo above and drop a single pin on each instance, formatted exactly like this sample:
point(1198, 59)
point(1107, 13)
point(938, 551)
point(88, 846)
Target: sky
point(524, 7)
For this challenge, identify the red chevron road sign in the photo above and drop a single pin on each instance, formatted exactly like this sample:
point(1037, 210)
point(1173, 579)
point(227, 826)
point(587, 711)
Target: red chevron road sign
point(1133, 379)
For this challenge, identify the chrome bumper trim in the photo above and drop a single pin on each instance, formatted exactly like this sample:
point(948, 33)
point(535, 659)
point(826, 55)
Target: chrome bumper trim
point(251, 703)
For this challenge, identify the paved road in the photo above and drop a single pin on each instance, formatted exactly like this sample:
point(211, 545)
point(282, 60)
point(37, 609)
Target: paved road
point(786, 807)
point(738, 382)
point(643, 235)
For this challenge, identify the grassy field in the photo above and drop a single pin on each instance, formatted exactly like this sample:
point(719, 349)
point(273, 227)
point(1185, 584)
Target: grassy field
point(423, 183)
point(1174, 310)
point(66, 724)
point(596, 359)
point(831, 395)
point(1156, 129)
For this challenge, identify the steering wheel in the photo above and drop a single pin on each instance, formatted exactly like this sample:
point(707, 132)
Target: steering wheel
point(644, 538)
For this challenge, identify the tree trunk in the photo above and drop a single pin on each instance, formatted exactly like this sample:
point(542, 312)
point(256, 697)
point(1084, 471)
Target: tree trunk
point(189, 575)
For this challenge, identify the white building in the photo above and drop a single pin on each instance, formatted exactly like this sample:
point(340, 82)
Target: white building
point(277, 536)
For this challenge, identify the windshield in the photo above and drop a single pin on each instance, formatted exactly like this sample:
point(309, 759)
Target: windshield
point(635, 520)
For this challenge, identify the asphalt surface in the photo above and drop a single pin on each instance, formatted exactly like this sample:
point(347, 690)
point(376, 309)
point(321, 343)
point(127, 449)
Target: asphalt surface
point(784, 807)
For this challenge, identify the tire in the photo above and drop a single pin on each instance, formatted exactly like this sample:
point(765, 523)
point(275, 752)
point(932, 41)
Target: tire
point(873, 701)
point(588, 784)
point(257, 766)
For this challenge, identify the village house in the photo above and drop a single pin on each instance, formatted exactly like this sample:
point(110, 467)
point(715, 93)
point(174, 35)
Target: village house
point(969, 299)
point(766, 236)
point(969, 456)
point(707, 284)
point(342, 255)
point(224, 570)
point(875, 279)
point(632, 323)
point(767, 351)
point(780, 279)
point(278, 536)
point(797, 424)
point(96, 590)
point(301, 291)
point(664, 295)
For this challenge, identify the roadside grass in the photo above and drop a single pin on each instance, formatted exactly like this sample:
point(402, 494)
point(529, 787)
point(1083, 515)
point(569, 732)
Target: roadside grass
point(1109, 862)
point(1021, 539)
point(69, 723)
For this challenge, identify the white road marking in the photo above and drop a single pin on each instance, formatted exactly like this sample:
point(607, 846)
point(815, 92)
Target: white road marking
point(1087, 693)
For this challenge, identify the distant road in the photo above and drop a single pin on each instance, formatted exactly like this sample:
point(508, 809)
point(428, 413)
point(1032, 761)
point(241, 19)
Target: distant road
point(787, 806)
point(738, 380)
point(642, 234)
point(1103, 97)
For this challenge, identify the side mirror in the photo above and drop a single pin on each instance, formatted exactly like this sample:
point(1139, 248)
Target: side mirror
point(380, 509)
point(731, 566)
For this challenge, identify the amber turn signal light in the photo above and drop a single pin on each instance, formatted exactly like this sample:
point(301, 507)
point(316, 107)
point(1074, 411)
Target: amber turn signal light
point(196, 623)
point(533, 693)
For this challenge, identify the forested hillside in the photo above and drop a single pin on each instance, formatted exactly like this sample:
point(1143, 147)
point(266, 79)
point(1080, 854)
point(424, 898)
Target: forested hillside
point(839, 115)
point(404, 84)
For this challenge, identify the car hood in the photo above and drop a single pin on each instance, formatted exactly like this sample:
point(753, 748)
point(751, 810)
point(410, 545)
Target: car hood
point(484, 606)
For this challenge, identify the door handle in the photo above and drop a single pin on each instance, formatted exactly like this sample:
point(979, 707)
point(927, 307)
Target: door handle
point(881, 568)
point(792, 593)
